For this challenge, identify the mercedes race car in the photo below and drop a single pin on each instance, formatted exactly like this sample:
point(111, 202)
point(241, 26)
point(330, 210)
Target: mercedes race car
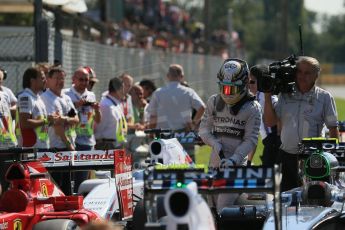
point(173, 198)
point(101, 194)
point(319, 202)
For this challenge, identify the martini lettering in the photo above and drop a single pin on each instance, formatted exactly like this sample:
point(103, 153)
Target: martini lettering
point(230, 173)
point(184, 137)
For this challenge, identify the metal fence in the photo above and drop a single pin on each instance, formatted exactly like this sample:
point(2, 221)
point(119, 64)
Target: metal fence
point(108, 62)
point(17, 54)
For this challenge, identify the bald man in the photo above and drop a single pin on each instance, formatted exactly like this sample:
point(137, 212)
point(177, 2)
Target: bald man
point(127, 104)
point(87, 107)
point(88, 112)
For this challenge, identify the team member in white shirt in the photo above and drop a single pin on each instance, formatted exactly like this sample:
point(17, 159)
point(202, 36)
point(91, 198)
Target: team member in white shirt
point(111, 131)
point(8, 92)
point(171, 106)
point(87, 107)
point(61, 134)
point(126, 102)
point(7, 136)
point(88, 112)
point(33, 117)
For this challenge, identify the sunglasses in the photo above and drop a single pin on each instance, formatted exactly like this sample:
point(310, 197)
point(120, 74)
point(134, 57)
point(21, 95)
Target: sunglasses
point(83, 79)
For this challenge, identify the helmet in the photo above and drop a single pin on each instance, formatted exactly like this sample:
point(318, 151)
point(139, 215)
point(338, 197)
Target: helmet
point(233, 79)
point(92, 73)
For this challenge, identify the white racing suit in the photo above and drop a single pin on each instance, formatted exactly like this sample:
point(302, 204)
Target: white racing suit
point(235, 129)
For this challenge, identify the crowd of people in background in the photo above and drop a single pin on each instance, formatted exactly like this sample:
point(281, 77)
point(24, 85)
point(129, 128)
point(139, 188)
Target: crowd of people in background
point(165, 26)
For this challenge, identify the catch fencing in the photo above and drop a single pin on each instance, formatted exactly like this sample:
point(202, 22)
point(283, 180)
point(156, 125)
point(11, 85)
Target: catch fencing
point(17, 54)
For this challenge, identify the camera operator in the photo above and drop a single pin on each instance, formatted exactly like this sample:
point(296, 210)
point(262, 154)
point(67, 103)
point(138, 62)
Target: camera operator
point(269, 135)
point(300, 114)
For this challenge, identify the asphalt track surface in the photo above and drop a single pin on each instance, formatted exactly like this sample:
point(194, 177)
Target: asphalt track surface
point(336, 90)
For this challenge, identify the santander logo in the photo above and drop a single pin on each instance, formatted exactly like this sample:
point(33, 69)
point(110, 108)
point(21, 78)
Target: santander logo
point(76, 156)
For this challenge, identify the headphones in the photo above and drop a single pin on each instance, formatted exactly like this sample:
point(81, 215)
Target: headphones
point(4, 73)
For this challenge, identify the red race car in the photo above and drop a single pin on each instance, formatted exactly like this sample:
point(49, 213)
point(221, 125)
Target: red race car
point(33, 201)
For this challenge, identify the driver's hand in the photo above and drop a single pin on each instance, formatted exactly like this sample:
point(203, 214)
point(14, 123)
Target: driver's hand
point(226, 163)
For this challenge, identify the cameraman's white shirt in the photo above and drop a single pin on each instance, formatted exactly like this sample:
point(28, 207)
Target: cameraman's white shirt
point(304, 115)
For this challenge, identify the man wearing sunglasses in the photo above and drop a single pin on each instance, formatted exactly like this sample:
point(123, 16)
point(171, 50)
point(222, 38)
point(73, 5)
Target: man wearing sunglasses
point(231, 122)
point(88, 112)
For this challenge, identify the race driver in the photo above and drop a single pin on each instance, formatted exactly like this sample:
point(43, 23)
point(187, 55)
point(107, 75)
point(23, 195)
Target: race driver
point(231, 122)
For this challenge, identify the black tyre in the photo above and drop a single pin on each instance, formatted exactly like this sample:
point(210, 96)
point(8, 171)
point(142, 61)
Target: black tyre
point(139, 214)
point(58, 224)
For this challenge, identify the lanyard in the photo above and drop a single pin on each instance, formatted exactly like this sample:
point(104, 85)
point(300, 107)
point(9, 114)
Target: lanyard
point(124, 104)
point(114, 103)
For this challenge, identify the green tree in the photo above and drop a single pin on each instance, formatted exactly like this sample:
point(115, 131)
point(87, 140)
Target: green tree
point(332, 40)
point(16, 19)
point(268, 29)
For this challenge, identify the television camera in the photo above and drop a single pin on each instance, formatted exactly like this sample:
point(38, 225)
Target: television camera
point(279, 77)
